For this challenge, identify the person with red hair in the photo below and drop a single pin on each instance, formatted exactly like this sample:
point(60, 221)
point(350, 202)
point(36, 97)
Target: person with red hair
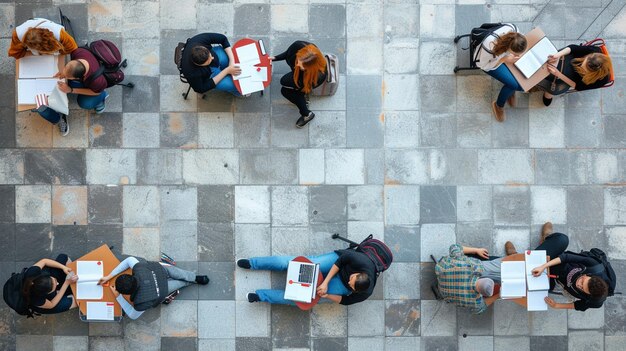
point(40, 36)
point(308, 71)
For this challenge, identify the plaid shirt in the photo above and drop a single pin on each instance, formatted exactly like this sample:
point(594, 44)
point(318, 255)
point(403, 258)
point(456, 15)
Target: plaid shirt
point(457, 275)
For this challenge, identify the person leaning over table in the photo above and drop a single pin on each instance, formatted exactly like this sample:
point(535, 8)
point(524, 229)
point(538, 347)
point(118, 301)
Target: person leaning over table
point(46, 286)
point(208, 63)
point(308, 71)
point(585, 65)
point(149, 283)
point(505, 45)
point(39, 36)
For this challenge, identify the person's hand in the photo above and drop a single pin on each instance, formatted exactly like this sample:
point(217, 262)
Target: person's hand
point(322, 289)
point(103, 280)
point(66, 270)
point(537, 271)
point(271, 58)
point(552, 69)
point(58, 75)
point(72, 279)
point(511, 58)
point(482, 252)
point(64, 87)
point(114, 291)
point(550, 302)
point(234, 70)
point(552, 59)
point(324, 296)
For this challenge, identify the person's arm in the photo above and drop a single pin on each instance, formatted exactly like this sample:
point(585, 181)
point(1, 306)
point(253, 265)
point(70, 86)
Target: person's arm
point(46, 262)
point(130, 311)
point(60, 293)
point(323, 288)
point(353, 298)
point(564, 52)
point(553, 262)
point(482, 252)
point(129, 262)
point(229, 53)
point(226, 71)
point(491, 299)
point(556, 305)
point(64, 87)
point(333, 298)
point(69, 44)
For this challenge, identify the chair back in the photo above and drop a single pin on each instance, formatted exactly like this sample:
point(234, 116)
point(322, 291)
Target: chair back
point(178, 58)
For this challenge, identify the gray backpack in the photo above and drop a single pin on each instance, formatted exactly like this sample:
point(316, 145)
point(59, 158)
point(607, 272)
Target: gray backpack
point(329, 87)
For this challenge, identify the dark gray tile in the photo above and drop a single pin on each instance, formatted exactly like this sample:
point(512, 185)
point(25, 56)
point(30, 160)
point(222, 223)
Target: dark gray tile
point(552, 343)
point(283, 130)
point(327, 21)
point(179, 129)
point(402, 317)
point(7, 98)
point(105, 204)
point(438, 93)
point(374, 166)
point(328, 204)
point(110, 234)
point(320, 239)
point(179, 344)
point(474, 324)
point(326, 344)
point(54, 167)
point(427, 277)
point(35, 242)
point(7, 127)
point(222, 284)
point(42, 325)
point(216, 242)
point(583, 127)
point(7, 322)
point(439, 343)
point(291, 328)
point(365, 127)
point(513, 133)
point(169, 41)
point(144, 97)
point(437, 204)
point(619, 266)
point(585, 206)
point(475, 234)
point(561, 167)
point(159, 166)
point(68, 324)
point(258, 20)
point(615, 314)
point(404, 242)
point(253, 344)
point(252, 130)
point(511, 205)
point(267, 166)
point(614, 126)
point(106, 329)
point(70, 240)
point(7, 342)
point(613, 98)
point(215, 101)
point(215, 203)
point(253, 103)
point(468, 15)
point(32, 343)
point(7, 203)
point(189, 292)
point(7, 241)
point(105, 130)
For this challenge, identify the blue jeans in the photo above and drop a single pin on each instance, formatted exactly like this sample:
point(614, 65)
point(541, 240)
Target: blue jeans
point(280, 263)
point(88, 102)
point(504, 75)
point(226, 84)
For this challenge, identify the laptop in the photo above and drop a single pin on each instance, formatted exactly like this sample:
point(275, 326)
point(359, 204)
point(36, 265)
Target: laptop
point(301, 281)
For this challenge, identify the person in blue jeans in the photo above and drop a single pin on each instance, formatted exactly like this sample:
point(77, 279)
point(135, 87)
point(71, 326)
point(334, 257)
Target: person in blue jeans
point(208, 63)
point(504, 45)
point(349, 277)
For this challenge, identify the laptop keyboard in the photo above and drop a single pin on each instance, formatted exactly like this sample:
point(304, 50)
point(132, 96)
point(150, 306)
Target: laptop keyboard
point(306, 274)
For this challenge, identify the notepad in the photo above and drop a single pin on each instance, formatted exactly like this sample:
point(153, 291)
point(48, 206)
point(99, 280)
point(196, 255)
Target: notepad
point(248, 55)
point(42, 66)
point(534, 58)
point(102, 311)
point(89, 272)
point(535, 300)
point(27, 89)
point(513, 275)
point(534, 259)
point(249, 86)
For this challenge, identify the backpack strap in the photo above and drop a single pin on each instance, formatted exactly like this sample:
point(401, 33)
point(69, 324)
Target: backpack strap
point(595, 269)
point(93, 76)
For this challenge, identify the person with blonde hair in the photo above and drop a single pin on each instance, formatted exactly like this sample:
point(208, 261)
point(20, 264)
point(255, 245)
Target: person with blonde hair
point(585, 65)
point(308, 71)
point(504, 45)
point(40, 36)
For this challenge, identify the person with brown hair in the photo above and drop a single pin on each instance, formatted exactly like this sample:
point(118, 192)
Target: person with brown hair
point(585, 65)
point(504, 45)
point(40, 36)
point(308, 71)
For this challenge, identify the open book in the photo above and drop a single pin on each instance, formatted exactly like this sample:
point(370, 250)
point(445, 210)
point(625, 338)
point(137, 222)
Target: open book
point(513, 277)
point(89, 272)
point(534, 58)
point(537, 286)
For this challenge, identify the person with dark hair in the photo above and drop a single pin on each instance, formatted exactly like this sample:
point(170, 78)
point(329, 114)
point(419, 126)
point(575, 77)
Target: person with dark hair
point(46, 286)
point(208, 63)
point(308, 71)
point(504, 45)
point(149, 284)
point(349, 277)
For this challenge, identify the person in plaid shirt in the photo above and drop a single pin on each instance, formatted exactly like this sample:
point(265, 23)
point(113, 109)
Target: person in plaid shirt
point(461, 279)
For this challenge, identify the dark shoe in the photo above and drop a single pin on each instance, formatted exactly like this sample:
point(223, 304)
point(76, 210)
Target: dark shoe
point(244, 263)
point(512, 100)
point(64, 127)
point(546, 230)
point(253, 297)
point(498, 112)
point(303, 120)
point(509, 248)
point(171, 297)
point(202, 279)
point(546, 101)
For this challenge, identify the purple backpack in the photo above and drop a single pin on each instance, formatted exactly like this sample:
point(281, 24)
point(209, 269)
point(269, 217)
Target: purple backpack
point(111, 63)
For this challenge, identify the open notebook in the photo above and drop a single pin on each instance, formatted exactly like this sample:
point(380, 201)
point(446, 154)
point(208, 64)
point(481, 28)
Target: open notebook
point(537, 286)
point(513, 280)
point(534, 58)
point(89, 272)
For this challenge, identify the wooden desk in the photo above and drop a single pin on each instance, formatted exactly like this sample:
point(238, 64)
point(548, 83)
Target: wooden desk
point(520, 257)
point(265, 60)
point(104, 254)
point(26, 107)
point(303, 305)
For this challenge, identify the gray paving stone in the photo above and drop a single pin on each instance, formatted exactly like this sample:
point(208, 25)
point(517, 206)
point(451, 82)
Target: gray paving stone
point(613, 317)
point(614, 210)
point(455, 166)
point(142, 242)
point(180, 319)
point(329, 130)
point(145, 331)
point(171, 99)
point(548, 204)
point(70, 343)
point(7, 241)
point(216, 319)
point(511, 205)
point(345, 166)
point(140, 130)
point(436, 240)
point(40, 243)
point(612, 100)
point(328, 204)
point(501, 343)
point(366, 318)
point(283, 130)
point(519, 236)
point(58, 166)
point(215, 242)
point(71, 239)
point(33, 342)
point(548, 342)
point(561, 167)
point(179, 203)
point(260, 25)
point(290, 241)
point(580, 238)
point(438, 93)
point(69, 205)
point(438, 130)
point(179, 239)
point(365, 203)
point(475, 234)
point(515, 133)
point(582, 340)
point(144, 97)
point(252, 204)
point(548, 323)
point(402, 204)
point(141, 206)
point(334, 23)
point(179, 130)
point(401, 282)
point(404, 242)
point(311, 166)
point(406, 167)
point(159, 166)
point(7, 204)
point(364, 123)
point(437, 57)
point(339, 344)
point(7, 127)
point(473, 129)
point(33, 204)
point(290, 328)
point(510, 319)
point(215, 130)
point(585, 206)
point(584, 128)
point(11, 167)
point(474, 203)
point(111, 166)
point(105, 204)
point(290, 206)
point(475, 324)
point(402, 129)
point(269, 166)
point(437, 318)
point(505, 166)
point(215, 203)
point(402, 318)
point(257, 344)
point(222, 285)
point(105, 130)
point(8, 98)
point(252, 320)
point(437, 204)
point(374, 166)
point(210, 166)
point(359, 343)
point(182, 344)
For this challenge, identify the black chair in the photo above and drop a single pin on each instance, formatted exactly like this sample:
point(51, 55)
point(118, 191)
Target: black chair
point(178, 56)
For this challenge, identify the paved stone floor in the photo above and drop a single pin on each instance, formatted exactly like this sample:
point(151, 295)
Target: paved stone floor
point(405, 150)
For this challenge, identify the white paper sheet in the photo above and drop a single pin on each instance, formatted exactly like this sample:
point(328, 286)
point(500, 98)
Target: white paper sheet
point(248, 55)
point(89, 272)
point(534, 259)
point(246, 72)
point(535, 300)
point(27, 89)
point(259, 74)
point(43, 66)
point(102, 311)
point(249, 86)
point(534, 58)
point(513, 274)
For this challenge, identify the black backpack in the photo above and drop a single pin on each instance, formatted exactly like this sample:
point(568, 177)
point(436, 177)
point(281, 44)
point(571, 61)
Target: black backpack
point(479, 34)
point(13, 295)
point(603, 269)
point(378, 252)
